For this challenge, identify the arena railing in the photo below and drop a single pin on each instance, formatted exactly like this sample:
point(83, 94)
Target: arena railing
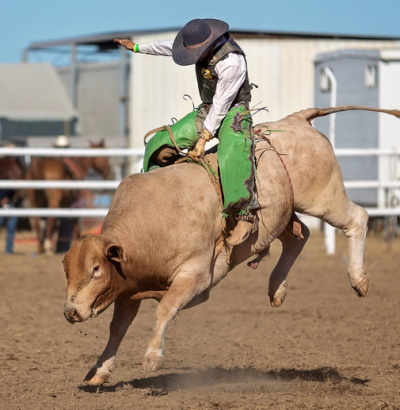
point(136, 156)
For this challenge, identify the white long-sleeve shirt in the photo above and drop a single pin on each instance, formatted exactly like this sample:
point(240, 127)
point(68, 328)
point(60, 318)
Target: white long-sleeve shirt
point(231, 75)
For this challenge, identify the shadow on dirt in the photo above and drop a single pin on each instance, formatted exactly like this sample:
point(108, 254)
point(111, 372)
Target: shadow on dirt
point(162, 384)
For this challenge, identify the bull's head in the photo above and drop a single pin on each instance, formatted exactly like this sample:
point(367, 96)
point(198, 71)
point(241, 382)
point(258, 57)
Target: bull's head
point(92, 267)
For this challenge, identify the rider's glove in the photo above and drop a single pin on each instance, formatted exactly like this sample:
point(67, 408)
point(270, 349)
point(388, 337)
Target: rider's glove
point(198, 150)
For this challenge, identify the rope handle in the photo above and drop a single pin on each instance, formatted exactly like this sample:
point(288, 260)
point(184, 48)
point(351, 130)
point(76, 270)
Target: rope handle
point(170, 133)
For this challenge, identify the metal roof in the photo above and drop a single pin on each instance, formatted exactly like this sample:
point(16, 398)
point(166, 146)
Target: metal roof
point(104, 41)
point(386, 55)
point(33, 92)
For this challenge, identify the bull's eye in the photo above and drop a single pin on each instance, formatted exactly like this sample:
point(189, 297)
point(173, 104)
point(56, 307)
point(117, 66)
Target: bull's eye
point(96, 271)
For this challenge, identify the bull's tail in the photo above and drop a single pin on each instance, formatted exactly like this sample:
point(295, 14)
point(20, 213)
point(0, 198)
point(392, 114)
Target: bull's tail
point(312, 113)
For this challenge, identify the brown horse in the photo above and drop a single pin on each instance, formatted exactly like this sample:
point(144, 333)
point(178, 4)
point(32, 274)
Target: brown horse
point(11, 168)
point(57, 168)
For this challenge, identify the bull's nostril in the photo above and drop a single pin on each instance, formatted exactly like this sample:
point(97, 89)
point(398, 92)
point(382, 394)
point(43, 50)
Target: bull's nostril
point(72, 315)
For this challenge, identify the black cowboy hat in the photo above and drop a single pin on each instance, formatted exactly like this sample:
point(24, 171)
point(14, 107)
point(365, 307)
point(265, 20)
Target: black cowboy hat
point(195, 38)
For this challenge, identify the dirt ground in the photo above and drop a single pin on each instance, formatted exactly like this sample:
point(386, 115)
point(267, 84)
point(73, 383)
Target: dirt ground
point(324, 348)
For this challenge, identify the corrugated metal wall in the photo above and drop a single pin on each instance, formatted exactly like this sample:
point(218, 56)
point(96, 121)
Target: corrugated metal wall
point(389, 126)
point(362, 129)
point(282, 68)
point(97, 98)
point(353, 129)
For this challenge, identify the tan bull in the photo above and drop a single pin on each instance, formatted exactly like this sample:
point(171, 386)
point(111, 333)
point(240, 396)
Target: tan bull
point(164, 237)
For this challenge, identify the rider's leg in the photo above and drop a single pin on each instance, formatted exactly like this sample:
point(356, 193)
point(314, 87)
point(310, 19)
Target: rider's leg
point(161, 150)
point(237, 167)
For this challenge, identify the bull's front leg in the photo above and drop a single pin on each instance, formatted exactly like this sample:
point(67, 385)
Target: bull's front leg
point(124, 313)
point(186, 287)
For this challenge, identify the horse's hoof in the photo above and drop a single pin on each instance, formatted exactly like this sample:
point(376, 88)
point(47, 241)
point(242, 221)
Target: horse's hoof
point(361, 288)
point(48, 247)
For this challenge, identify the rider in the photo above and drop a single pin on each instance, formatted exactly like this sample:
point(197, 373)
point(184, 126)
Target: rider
point(225, 91)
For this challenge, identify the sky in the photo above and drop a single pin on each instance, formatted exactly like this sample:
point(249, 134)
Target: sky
point(26, 21)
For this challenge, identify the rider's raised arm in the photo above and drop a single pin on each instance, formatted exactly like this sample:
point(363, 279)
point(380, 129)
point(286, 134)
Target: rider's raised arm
point(158, 48)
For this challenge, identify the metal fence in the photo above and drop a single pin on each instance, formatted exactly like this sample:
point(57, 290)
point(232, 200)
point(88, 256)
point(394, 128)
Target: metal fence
point(135, 157)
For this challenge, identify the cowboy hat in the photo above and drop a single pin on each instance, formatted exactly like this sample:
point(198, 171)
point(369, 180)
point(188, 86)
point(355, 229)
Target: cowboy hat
point(61, 142)
point(195, 38)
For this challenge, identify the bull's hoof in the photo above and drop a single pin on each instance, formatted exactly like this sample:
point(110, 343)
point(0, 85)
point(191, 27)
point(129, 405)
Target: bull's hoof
point(253, 264)
point(276, 298)
point(361, 288)
point(96, 378)
point(153, 361)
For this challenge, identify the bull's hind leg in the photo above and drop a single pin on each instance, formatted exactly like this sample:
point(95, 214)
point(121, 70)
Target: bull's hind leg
point(352, 220)
point(186, 286)
point(124, 312)
point(292, 245)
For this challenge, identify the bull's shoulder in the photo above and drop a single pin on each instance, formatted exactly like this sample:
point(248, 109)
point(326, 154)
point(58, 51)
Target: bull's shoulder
point(167, 177)
point(174, 185)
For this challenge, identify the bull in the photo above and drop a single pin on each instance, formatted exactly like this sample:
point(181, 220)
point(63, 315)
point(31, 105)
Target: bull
point(164, 237)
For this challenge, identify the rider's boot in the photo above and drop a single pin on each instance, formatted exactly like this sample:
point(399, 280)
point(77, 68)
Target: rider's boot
point(245, 226)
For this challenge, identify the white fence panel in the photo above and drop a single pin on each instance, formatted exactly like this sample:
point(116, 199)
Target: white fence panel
point(136, 156)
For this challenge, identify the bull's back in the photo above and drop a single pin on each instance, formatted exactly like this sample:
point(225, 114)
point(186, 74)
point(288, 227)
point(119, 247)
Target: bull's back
point(309, 159)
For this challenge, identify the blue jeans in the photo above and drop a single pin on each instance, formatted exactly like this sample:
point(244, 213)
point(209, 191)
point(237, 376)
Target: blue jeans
point(10, 223)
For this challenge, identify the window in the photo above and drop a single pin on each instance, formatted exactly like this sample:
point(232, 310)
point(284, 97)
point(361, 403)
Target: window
point(324, 81)
point(371, 76)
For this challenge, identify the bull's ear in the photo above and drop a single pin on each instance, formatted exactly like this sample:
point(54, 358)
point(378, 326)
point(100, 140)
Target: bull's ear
point(115, 253)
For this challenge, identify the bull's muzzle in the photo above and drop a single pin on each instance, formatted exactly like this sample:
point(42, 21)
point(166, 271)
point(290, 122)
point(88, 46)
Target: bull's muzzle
point(72, 315)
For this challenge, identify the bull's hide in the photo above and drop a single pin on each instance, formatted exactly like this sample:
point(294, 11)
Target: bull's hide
point(164, 236)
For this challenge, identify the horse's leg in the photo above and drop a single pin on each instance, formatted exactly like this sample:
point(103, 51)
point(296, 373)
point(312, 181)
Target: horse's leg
point(37, 228)
point(124, 313)
point(35, 221)
point(54, 198)
point(293, 241)
point(76, 231)
point(48, 235)
point(190, 282)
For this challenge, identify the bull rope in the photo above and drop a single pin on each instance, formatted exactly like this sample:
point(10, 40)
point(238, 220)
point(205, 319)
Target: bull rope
point(204, 162)
point(262, 134)
point(170, 133)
